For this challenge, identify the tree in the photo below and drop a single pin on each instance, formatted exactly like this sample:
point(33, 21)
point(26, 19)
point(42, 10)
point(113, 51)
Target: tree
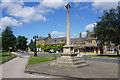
point(8, 39)
point(61, 45)
point(107, 29)
point(31, 45)
point(21, 42)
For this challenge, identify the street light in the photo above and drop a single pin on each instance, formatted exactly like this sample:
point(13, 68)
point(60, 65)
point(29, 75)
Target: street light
point(35, 52)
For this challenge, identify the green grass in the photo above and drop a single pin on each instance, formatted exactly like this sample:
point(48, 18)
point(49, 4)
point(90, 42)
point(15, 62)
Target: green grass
point(39, 59)
point(49, 53)
point(4, 53)
point(104, 56)
point(5, 56)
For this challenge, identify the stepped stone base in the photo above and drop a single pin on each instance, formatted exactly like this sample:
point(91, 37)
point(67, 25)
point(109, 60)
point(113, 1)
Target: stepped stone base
point(69, 60)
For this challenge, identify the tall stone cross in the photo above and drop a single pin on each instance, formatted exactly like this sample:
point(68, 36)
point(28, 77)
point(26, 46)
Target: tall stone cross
point(68, 23)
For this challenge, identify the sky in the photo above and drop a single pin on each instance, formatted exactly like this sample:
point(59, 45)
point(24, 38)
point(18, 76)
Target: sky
point(42, 18)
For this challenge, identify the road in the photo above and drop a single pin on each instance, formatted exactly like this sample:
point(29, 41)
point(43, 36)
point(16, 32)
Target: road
point(108, 60)
point(15, 69)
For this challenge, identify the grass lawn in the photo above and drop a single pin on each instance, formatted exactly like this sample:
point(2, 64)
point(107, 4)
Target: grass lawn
point(5, 56)
point(39, 59)
point(104, 56)
point(49, 53)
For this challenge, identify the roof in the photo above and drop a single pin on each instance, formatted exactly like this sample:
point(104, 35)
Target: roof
point(41, 38)
point(91, 45)
point(89, 36)
point(77, 40)
point(56, 40)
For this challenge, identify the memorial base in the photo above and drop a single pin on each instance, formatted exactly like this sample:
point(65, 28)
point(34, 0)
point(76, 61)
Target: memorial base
point(69, 59)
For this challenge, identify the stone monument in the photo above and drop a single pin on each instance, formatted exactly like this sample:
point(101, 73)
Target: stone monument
point(68, 57)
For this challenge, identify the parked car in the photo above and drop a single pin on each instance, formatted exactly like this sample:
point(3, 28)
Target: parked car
point(51, 51)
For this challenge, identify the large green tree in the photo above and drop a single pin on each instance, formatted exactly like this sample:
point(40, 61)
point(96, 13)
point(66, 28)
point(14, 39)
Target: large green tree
point(31, 45)
point(8, 39)
point(21, 42)
point(107, 29)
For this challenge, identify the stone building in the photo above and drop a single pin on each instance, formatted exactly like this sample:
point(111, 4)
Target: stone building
point(87, 44)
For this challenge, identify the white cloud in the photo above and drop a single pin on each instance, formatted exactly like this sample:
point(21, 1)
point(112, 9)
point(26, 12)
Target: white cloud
point(84, 34)
point(84, 7)
point(26, 14)
point(74, 35)
point(58, 33)
point(59, 25)
point(61, 36)
point(9, 21)
point(53, 3)
point(90, 26)
point(101, 6)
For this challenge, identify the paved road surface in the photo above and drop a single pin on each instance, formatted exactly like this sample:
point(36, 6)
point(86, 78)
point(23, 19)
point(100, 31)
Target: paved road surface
point(15, 69)
point(88, 58)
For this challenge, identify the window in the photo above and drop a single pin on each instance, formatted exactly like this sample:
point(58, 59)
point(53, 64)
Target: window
point(89, 41)
point(90, 50)
point(97, 41)
point(61, 41)
point(54, 41)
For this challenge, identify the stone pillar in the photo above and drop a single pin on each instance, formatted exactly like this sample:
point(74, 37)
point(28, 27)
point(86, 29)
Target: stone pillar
point(68, 24)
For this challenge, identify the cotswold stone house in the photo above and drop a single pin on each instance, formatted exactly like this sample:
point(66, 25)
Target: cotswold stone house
point(87, 44)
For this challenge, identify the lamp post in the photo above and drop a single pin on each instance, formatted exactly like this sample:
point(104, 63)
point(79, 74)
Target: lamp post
point(35, 52)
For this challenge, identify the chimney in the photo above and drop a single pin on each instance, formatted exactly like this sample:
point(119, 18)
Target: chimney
point(87, 31)
point(80, 35)
point(49, 35)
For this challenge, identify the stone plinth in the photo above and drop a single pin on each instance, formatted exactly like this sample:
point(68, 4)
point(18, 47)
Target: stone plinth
point(69, 59)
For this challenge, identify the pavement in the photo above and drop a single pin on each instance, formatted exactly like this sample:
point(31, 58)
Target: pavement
point(15, 69)
point(95, 69)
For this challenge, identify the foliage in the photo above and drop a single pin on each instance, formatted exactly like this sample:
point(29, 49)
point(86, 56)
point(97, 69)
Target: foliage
point(8, 39)
point(107, 29)
point(61, 45)
point(31, 45)
point(21, 42)
point(48, 47)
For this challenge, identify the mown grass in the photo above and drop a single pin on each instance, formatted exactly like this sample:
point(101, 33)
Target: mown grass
point(39, 59)
point(49, 53)
point(5, 56)
point(104, 56)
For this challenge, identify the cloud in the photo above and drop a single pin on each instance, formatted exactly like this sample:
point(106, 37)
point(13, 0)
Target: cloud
point(84, 34)
point(84, 7)
point(74, 35)
point(101, 6)
point(90, 26)
point(58, 33)
point(34, 13)
point(59, 25)
point(9, 21)
point(53, 3)
point(61, 36)
point(26, 14)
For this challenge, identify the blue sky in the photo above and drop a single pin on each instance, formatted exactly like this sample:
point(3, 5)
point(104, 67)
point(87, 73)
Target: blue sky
point(43, 18)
